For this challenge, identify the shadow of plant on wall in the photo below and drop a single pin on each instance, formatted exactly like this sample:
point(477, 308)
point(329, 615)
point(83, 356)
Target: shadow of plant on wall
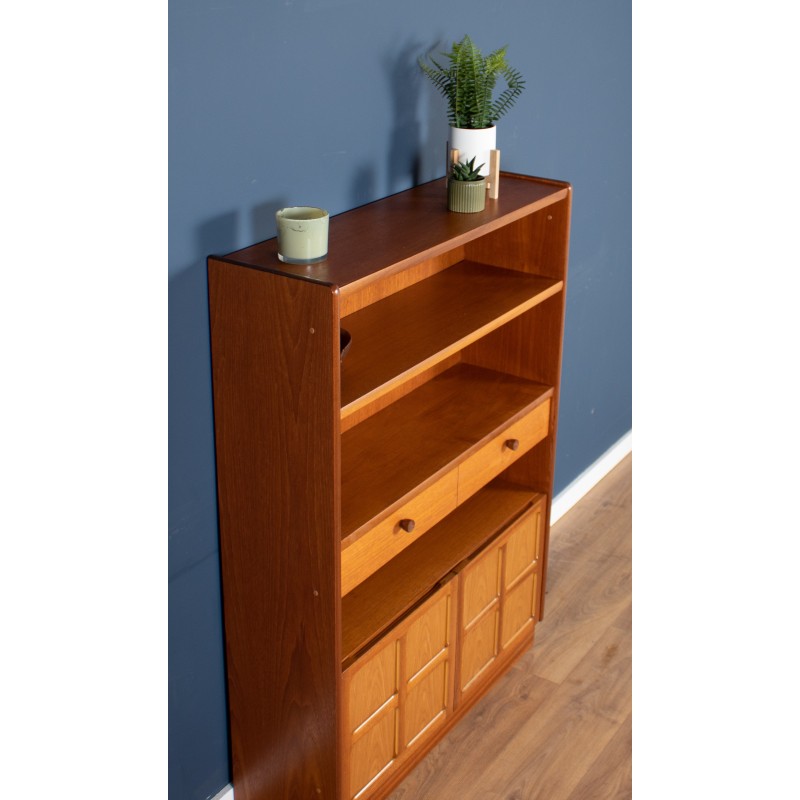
point(363, 187)
point(403, 158)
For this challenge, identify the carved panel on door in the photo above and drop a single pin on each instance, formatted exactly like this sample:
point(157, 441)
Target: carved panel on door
point(373, 750)
point(373, 684)
point(426, 700)
point(479, 646)
point(519, 608)
point(481, 584)
point(522, 547)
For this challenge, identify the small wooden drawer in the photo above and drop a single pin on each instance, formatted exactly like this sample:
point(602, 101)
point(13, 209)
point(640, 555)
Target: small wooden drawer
point(503, 450)
point(388, 538)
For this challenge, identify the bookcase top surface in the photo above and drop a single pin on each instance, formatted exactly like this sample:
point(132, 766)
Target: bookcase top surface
point(389, 234)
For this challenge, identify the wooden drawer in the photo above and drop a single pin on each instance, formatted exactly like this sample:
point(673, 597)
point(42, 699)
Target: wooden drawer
point(498, 454)
point(383, 542)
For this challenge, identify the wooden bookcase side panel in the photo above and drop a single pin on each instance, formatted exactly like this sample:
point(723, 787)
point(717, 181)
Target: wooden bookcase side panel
point(274, 348)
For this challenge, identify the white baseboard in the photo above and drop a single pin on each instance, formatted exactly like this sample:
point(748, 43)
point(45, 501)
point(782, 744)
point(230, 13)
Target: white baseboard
point(590, 477)
point(562, 503)
point(226, 793)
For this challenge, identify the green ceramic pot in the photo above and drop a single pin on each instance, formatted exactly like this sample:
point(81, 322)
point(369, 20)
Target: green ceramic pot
point(466, 196)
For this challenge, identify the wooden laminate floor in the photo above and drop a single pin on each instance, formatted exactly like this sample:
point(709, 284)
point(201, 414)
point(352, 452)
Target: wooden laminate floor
point(557, 725)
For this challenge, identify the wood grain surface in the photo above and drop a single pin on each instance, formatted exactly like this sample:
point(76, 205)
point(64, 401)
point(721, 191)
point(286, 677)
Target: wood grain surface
point(274, 356)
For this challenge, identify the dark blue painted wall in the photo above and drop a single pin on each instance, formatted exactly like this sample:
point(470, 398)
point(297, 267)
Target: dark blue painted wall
point(278, 102)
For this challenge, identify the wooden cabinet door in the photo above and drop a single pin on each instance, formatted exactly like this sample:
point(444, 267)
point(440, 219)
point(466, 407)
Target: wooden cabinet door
point(498, 599)
point(480, 615)
point(428, 670)
point(372, 717)
point(398, 693)
point(521, 576)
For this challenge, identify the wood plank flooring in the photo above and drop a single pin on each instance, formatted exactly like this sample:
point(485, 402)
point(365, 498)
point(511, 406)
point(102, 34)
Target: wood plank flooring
point(557, 726)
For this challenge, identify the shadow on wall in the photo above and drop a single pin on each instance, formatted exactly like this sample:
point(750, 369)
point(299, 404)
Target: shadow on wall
point(262, 222)
point(403, 159)
point(197, 692)
point(418, 146)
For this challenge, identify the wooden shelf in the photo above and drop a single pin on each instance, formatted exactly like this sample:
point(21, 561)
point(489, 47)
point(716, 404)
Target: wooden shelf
point(373, 606)
point(405, 447)
point(403, 335)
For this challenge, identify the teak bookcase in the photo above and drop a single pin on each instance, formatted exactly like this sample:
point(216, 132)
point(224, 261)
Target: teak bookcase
point(384, 516)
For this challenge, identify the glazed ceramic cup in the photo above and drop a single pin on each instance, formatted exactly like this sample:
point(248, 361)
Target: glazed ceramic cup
point(302, 234)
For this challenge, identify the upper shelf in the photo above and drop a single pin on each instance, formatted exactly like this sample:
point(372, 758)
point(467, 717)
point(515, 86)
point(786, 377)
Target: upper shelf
point(401, 336)
point(388, 235)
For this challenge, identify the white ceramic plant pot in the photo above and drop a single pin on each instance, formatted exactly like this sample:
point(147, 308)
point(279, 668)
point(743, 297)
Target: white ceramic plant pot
point(475, 142)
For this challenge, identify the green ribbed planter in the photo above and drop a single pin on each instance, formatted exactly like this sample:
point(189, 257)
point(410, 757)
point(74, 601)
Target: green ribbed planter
point(466, 196)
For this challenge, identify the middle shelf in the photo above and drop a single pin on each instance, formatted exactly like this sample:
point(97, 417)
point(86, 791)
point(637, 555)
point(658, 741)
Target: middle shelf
point(408, 466)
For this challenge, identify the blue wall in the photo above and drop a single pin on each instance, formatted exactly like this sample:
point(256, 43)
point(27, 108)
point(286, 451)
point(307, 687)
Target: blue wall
point(273, 103)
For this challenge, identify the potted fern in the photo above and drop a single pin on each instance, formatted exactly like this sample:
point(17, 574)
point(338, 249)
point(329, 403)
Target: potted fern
point(466, 188)
point(467, 83)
